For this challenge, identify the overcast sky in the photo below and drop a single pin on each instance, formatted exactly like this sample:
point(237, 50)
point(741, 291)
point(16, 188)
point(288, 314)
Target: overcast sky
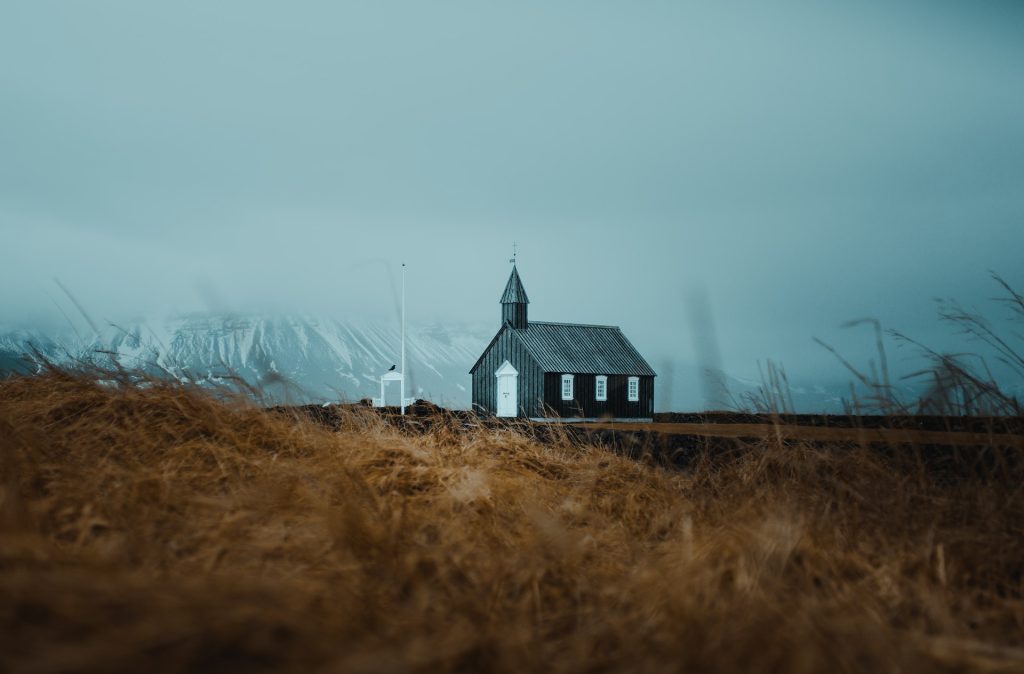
point(803, 163)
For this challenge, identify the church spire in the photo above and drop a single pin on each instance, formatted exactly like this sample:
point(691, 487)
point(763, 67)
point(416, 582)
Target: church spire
point(514, 301)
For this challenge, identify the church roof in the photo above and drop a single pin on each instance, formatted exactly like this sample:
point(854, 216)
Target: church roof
point(573, 348)
point(514, 290)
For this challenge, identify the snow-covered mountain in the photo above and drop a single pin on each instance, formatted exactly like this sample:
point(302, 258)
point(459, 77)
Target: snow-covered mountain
point(301, 359)
point(296, 359)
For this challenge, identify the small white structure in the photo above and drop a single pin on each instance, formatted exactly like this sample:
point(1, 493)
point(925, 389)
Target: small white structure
point(391, 375)
point(384, 380)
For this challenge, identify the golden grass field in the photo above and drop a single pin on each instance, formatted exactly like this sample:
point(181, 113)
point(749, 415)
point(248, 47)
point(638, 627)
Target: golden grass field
point(160, 529)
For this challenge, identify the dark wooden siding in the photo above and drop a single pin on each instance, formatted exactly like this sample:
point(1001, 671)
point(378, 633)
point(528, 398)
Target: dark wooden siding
point(531, 379)
point(583, 404)
point(514, 314)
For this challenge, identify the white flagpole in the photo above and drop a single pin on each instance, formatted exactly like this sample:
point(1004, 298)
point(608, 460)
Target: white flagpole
point(403, 339)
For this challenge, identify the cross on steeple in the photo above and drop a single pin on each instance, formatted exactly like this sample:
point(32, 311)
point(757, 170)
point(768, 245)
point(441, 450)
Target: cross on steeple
point(513, 258)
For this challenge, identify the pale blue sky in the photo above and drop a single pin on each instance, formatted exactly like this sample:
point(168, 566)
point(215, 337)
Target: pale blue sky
point(805, 162)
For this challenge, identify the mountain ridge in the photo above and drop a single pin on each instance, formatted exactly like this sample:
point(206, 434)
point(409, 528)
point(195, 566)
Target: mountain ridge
point(289, 358)
point(317, 359)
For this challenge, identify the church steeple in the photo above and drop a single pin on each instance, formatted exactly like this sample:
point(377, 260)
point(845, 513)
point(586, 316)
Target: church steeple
point(514, 301)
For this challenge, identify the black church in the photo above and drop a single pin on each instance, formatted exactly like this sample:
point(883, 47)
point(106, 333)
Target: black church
point(564, 371)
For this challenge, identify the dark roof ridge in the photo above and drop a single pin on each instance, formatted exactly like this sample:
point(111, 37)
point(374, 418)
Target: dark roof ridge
point(576, 348)
point(581, 325)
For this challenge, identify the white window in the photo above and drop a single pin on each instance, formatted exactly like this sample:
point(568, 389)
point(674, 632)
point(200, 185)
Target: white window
point(633, 389)
point(566, 387)
point(600, 387)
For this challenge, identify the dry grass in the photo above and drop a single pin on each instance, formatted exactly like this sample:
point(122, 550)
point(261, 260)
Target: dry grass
point(159, 529)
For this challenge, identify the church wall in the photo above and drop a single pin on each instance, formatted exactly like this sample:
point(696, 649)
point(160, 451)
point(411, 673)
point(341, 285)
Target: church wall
point(583, 404)
point(531, 379)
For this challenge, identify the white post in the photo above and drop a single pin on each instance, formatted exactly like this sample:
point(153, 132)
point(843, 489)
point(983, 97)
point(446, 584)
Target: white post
point(403, 339)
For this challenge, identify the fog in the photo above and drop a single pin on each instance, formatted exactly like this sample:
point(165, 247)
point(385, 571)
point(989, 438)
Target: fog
point(794, 164)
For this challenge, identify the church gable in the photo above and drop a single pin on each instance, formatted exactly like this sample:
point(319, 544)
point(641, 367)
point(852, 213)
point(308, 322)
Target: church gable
point(507, 347)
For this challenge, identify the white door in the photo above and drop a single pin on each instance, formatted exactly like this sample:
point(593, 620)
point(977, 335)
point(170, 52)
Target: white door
point(507, 390)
